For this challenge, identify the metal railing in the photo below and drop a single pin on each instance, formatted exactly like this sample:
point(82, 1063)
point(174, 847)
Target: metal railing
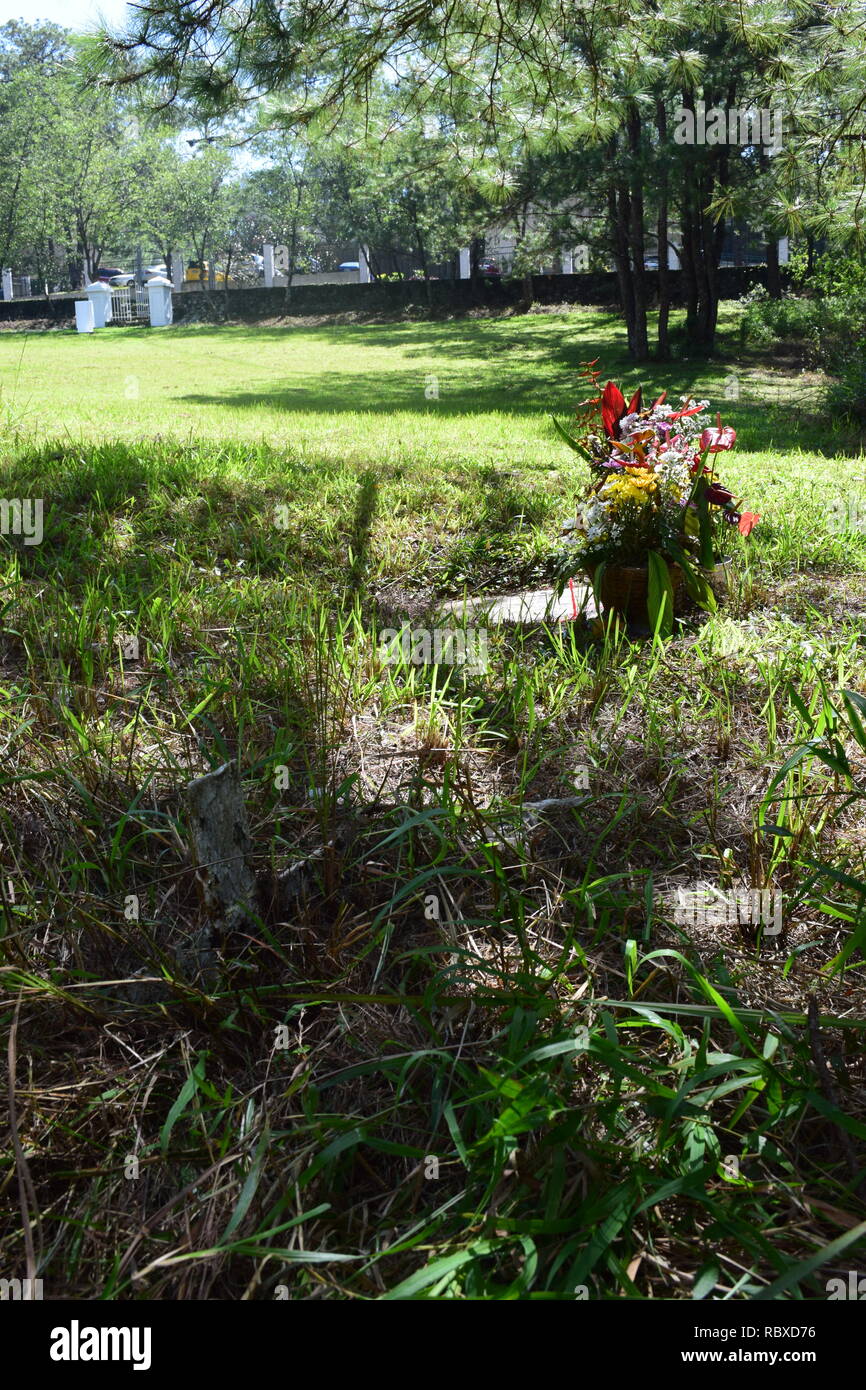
point(129, 304)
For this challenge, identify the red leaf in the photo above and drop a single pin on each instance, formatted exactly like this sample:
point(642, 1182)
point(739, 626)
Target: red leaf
point(635, 402)
point(747, 521)
point(612, 409)
point(660, 400)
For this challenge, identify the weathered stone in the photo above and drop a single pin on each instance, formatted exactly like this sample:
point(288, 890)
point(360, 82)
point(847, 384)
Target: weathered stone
point(532, 606)
point(220, 848)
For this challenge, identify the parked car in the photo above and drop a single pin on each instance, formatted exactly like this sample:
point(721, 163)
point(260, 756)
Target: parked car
point(121, 279)
point(107, 273)
point(161, 269)
point(489, 268)
point(349, 265)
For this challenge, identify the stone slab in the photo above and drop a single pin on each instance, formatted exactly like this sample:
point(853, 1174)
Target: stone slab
point(530, 606)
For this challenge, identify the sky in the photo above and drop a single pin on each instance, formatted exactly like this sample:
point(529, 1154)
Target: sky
point(78, 15)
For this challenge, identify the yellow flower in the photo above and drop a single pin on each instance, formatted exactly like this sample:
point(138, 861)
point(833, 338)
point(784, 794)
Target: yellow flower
point(642, 479)
point(627, 489)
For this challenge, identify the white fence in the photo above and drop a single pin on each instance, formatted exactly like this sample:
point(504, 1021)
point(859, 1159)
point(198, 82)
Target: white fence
point(129, 304)
point(15, 286)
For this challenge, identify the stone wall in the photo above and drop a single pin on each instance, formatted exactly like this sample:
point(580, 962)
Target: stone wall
point(392, 297)
point(599, 288)
point(60, 307)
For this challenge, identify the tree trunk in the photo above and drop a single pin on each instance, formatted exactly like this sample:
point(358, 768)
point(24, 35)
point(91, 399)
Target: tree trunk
point(637, 240)
point(774, 273)
point(476, 247)
point(701, 250)
point(708, 301)
point(663, 350)
point(228, 271)
point(619, 217)
point(690, 273)
point(290, 269)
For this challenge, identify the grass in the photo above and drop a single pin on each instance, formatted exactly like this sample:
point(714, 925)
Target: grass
point(462, 1049)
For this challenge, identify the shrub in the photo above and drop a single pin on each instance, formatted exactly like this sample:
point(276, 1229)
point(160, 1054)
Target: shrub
point(767, 321)
point(829, 322)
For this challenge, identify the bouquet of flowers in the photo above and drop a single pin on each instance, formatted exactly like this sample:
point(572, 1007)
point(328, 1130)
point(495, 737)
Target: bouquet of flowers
point(654, 498)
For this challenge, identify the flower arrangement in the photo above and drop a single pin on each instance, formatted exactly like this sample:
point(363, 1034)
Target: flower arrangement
point(654, 500)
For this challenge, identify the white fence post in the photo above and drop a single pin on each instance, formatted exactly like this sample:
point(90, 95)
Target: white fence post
point(268, 255)
point(363, 261)
point(465, 269)
point(177, 271)
point(159, 297)
point(99, 295)
point(7, 284)
point(84, 315)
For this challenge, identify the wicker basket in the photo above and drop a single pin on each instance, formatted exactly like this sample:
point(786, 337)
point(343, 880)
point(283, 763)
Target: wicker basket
point(624, 590)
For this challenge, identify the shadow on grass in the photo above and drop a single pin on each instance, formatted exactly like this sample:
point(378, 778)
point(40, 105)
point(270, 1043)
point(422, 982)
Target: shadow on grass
point(771, 416)
point(362, 526)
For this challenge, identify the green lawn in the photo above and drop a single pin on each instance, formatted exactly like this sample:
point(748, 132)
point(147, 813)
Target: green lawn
point(359, 390)
point(319, 406)
point(613, 1102)
point(330, 390)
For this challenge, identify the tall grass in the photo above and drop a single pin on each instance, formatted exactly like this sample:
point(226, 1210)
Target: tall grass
point(462, 1048)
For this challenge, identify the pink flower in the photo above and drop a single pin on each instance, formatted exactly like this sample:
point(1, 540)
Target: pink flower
point(718, 437)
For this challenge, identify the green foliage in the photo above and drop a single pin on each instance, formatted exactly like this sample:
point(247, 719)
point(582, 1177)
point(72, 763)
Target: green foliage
point(827, 318)
point(766, 321)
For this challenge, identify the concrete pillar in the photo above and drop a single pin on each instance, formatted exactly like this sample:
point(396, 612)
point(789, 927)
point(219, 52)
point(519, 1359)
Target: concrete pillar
point(365, 275)
point(7, 284)
point(159, 300)
point(84, 315)
point(177, 271)
point(783, 250)
point(268, 255)
point(99, 295)
point(568, 262)
point(465, 263)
